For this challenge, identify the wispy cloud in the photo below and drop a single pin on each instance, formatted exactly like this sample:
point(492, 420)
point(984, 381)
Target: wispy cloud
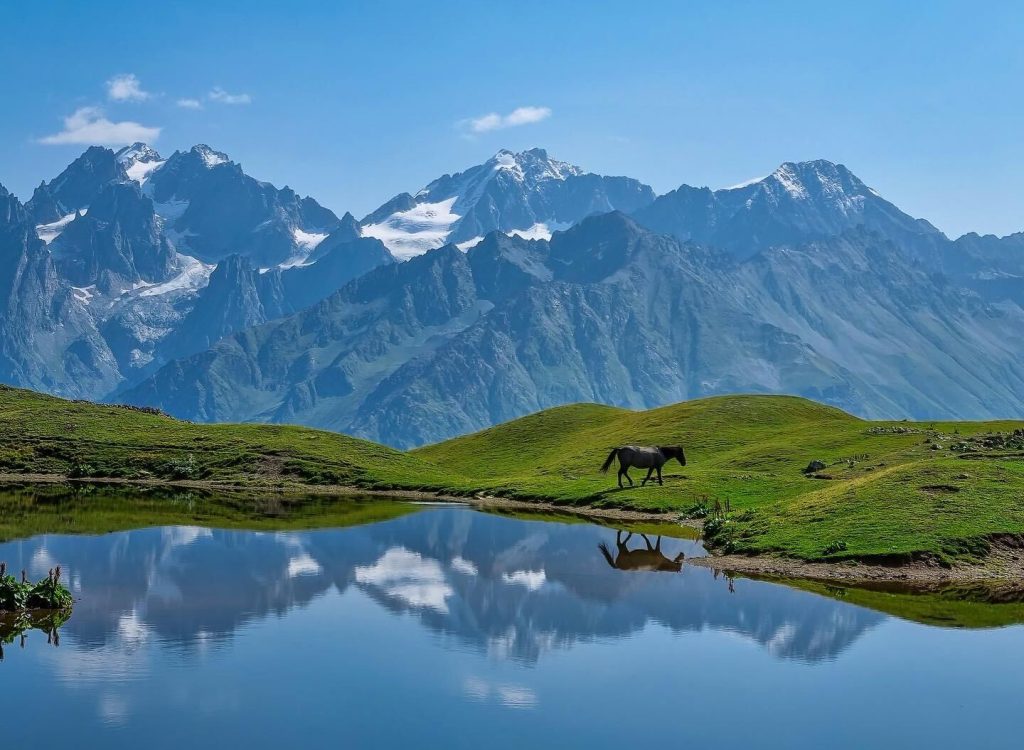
point(126, 88)
point(90, 126)
point(515, 118)
point(217, 94)
point(189, 103)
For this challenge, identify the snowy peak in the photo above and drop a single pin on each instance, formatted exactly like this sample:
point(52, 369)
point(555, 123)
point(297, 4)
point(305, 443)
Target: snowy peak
point(526, 193)
point(798, 202)
point(208, 156)
point(820, 179)
point(137, 152)
point(139, 161)
point(532, 166)
point(803, 181)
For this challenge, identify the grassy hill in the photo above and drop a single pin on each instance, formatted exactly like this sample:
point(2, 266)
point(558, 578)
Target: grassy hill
point(889, 489)
point(45, 435)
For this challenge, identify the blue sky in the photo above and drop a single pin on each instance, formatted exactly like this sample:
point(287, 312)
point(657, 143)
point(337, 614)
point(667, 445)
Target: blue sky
point(354, 102)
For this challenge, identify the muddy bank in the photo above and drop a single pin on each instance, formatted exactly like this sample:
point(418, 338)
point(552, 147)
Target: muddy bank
point(1004, 563)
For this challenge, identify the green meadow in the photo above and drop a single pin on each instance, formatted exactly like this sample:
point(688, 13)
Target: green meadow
point(888, 490)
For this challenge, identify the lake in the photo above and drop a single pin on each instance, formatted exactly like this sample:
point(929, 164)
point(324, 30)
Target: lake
point(441, 626)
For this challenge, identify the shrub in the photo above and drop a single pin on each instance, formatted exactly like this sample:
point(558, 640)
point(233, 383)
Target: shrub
point(833, 547)
point(17, 596)
point(82, 469)
point(49, 593)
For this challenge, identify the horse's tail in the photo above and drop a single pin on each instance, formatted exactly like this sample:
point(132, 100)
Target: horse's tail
point(608, 461)
point(607, 553)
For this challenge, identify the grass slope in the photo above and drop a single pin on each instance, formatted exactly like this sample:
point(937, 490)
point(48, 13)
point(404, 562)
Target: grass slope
point(41, 434)
point(890, 490)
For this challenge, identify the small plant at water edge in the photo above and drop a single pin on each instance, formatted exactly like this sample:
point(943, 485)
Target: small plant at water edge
point(49, 593)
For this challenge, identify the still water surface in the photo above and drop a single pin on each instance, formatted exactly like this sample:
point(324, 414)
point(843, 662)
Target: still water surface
point(448, 627)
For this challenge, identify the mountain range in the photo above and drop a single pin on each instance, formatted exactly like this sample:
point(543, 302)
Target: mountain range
point(518, 284)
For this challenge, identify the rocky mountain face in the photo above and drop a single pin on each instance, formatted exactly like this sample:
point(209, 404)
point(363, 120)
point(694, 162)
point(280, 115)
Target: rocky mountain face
point(528, 193)
point(46, 341)
point(113, 265)
point(116, 244)
point(76, 187)
point(607, 311)
point(212, 209)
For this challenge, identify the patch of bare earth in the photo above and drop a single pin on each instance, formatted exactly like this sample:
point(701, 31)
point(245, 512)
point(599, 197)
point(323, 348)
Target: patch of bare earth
point(1005, 562)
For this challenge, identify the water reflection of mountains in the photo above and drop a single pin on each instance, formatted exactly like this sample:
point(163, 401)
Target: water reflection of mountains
point(512, 587)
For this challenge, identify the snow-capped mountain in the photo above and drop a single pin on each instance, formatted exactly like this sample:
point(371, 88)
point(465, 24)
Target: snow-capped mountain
point(797, 202)
point(212, 209)
point(185, 283)
point(117, 252)
point(528, 194)
point(609, 312)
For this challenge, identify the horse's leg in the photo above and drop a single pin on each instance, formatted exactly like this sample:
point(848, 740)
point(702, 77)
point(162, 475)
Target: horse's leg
point(648, 541)
point(622, 470)
point(660, 481)
point(626, 472)
point(647, 478)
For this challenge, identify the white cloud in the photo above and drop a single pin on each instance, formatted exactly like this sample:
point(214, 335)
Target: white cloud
point(217, 94)
point(515, 118)
point(90, 126)
point(189, 103)
point(126, 88)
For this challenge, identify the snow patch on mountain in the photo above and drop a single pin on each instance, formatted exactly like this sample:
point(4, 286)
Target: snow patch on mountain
point(539, 231)
point(423, 227)
point(141, 170)
point(790, 181)
point(747, 183)
point(194, 275)
point(305, 244)
point(84, 294)
point(139, 161)
point(49, 232)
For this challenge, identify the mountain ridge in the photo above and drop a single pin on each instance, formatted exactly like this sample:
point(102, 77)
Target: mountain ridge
point(186, 282)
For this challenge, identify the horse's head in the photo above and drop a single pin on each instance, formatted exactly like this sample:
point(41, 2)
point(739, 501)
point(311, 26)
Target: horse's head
point(676, 452)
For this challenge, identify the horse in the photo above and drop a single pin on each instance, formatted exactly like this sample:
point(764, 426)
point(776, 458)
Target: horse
point(640, 559)
point(651, 458)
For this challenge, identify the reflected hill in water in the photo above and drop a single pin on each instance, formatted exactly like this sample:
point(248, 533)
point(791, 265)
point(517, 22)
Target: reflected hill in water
point(513, 588)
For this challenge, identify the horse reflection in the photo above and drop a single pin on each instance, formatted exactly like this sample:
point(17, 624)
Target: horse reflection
point(650, 558)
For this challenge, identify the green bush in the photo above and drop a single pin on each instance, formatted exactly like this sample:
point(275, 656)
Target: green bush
point(49, 593)
point(833, 547)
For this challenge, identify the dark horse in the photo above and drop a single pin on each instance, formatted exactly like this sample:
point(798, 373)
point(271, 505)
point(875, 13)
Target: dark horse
point(651, 458)
point(640, 558)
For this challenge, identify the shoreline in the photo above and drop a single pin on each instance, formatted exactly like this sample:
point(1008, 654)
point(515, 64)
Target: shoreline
point(1005, 563)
